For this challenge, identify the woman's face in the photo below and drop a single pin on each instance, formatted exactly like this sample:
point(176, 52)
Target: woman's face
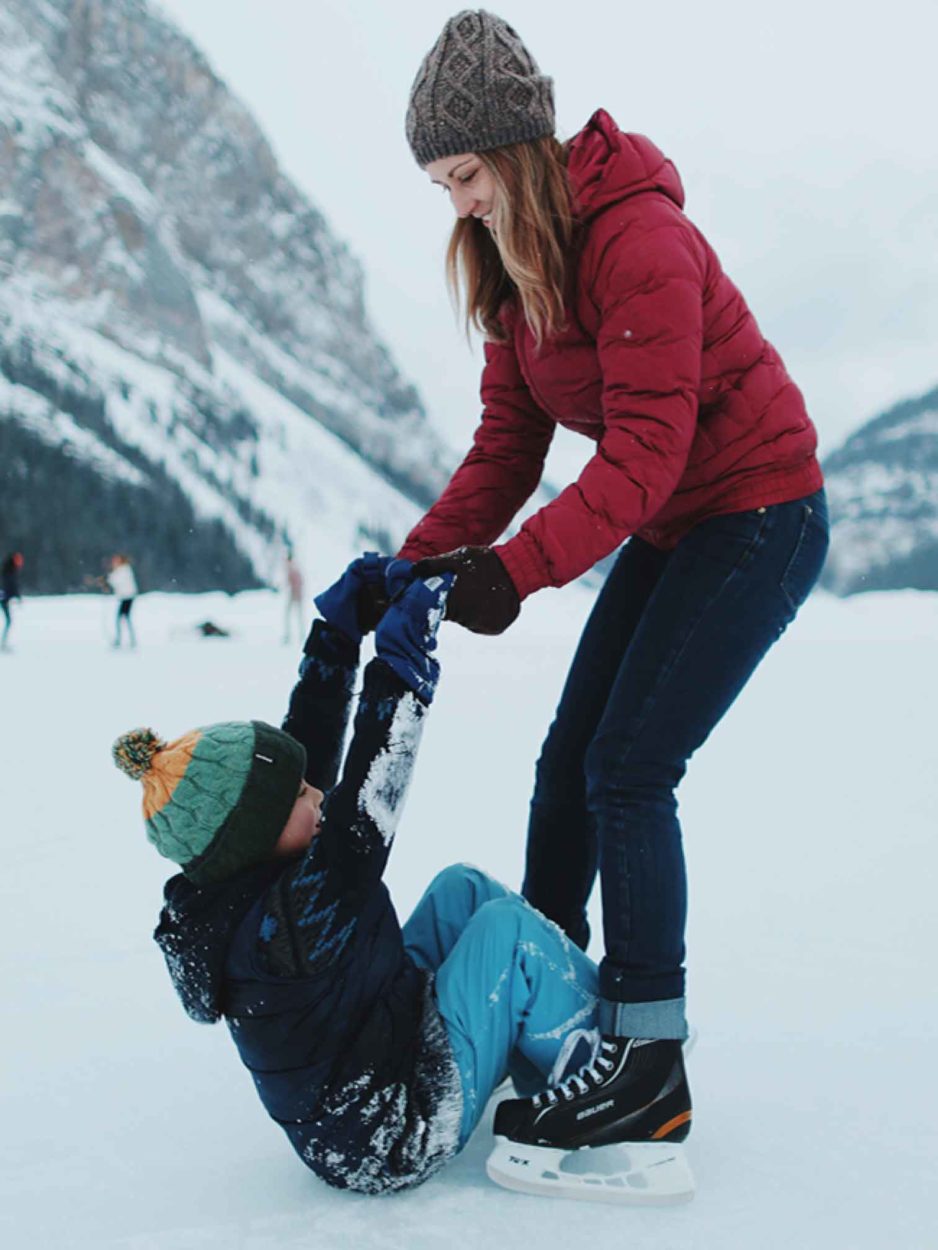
point(469, 183)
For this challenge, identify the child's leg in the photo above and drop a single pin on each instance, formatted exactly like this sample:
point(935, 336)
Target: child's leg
point(512, 984)
point(449, 901)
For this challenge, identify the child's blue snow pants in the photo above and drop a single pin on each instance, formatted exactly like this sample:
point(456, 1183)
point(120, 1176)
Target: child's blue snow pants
point(510, 985)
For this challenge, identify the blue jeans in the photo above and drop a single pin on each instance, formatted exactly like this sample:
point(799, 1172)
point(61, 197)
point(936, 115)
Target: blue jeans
point(509, 984)
point(671, 641)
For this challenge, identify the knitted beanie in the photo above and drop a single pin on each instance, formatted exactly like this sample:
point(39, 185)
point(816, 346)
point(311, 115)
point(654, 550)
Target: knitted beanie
point(478, 88)
point(215, 800)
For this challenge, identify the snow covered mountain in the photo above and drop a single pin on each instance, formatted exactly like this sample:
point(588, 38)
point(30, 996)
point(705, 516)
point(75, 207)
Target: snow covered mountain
point(883, 490)
point(187, 369)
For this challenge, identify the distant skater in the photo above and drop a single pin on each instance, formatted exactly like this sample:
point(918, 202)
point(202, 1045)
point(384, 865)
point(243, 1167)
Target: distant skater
point(293, 592)
point(9, 590)
point(123, 584)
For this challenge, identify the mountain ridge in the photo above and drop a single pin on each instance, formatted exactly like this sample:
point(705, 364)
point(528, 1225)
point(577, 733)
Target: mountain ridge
point(883, 489)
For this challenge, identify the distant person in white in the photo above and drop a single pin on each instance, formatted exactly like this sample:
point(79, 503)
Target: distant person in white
point(123, 584)
point(293, 593)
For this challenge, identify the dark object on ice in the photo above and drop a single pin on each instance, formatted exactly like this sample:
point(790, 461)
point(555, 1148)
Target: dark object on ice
point(208, 629)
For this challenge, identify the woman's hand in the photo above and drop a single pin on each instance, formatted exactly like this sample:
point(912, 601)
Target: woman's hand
point(483, 598)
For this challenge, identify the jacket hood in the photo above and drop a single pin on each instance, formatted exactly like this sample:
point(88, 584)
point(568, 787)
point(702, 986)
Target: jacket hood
point(195, 930)
point(605, 165)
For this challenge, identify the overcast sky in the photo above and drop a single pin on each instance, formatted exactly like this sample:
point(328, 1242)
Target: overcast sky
point(804, 132)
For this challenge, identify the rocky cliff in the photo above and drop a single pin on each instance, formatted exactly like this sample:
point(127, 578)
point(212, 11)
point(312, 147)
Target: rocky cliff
point(187, 367)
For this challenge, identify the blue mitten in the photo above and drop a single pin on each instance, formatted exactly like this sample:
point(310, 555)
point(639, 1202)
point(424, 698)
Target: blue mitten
point(340, 604)
point(397, 577)
point(406, 636)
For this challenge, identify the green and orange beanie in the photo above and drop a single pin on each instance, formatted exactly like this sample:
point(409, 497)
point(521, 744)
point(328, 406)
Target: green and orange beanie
point(216, 800)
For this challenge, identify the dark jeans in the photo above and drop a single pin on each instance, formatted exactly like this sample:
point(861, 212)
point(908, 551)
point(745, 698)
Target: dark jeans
point(123, 615)
point(671, 641)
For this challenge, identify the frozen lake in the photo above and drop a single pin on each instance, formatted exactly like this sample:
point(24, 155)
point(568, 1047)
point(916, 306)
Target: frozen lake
point(810, 830)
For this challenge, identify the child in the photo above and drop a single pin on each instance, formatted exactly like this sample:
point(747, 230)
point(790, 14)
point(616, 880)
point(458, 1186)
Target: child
point(375, 1047)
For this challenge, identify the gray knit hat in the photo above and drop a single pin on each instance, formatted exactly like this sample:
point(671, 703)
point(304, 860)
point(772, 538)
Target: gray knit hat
point(478, 88)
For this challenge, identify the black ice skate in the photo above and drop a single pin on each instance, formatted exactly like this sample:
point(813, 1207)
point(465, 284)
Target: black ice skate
point(609, 1133)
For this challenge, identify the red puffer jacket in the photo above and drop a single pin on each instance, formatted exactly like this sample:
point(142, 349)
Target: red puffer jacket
point(661, 364)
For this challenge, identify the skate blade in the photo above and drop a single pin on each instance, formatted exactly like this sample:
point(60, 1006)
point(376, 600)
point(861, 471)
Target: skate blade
point(633, 1173)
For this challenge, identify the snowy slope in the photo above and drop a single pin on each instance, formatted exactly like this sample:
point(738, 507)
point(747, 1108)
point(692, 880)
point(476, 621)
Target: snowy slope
point(148, 240)
point(809, 822)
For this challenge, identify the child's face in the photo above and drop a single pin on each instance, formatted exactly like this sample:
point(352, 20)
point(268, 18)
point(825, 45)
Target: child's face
point(303, 822)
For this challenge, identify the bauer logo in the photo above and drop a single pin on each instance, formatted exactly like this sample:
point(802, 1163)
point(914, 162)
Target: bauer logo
point(601, 1106)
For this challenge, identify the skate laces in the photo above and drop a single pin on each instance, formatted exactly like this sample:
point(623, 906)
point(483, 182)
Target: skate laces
point(579, 1044)
point(595, 1071)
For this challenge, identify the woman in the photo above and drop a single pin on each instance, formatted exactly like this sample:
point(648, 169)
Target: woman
point(605, 310)
point(123, 584)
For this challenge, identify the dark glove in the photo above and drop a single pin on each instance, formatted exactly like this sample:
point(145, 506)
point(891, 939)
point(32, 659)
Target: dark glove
point(406, 637)
point(484, 598)
point(341, 604)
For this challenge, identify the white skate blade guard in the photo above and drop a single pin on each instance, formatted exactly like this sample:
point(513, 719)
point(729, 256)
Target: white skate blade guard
point(633, 1173)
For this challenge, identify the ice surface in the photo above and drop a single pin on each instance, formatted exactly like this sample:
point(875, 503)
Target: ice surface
point(810, 830)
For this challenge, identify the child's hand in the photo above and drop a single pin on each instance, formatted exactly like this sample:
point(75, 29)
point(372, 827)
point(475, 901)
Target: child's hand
point(375, 597)
point(406, 636)
point(346, 605)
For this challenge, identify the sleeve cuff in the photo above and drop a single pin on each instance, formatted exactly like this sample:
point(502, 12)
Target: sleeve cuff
point(329, 643)
point(524, 564)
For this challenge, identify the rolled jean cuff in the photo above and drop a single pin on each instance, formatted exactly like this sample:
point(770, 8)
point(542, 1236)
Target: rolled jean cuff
point(664, 1019)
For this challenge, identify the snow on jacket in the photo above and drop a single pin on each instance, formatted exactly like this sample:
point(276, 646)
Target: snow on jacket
point(305, 958)
point(122, 581)
point(661, 364)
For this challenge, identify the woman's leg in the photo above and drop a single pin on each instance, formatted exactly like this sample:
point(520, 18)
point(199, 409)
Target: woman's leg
point(728, 591)
point(130, 625)
point(561, 850)
point(512, 984)
point(7, 620)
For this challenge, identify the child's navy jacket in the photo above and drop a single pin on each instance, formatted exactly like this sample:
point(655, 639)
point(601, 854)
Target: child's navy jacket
point(305, 961)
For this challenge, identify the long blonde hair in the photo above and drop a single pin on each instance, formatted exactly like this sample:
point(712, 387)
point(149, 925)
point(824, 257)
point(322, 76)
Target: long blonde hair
point(526, 253)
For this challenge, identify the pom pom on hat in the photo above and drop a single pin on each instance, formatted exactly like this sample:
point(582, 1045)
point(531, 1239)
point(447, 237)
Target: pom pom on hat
point(133, 752)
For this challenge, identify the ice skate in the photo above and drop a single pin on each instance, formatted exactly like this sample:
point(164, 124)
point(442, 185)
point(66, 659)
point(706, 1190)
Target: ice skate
point(611, 1132)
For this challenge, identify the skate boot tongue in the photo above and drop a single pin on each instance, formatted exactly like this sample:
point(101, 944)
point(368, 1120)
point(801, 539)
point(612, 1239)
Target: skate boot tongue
point(584, 1079)
point(578, 1051)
